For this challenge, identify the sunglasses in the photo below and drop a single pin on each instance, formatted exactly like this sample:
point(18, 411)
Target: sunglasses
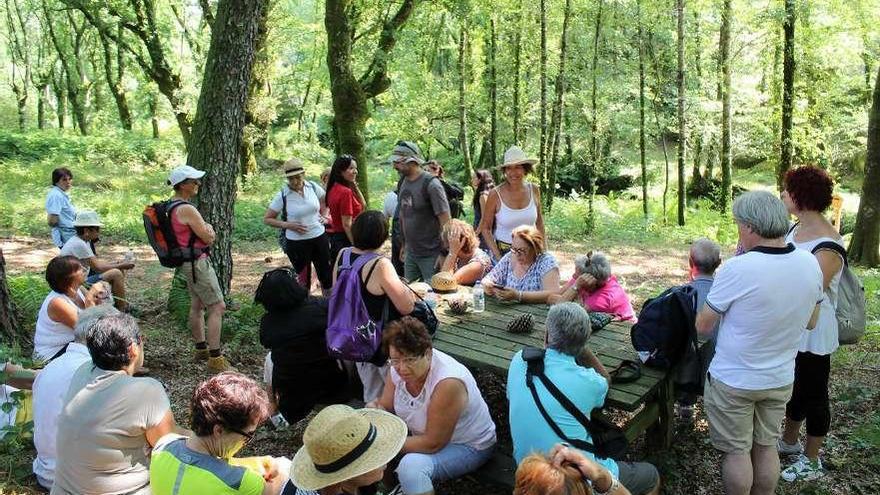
point(248, 436)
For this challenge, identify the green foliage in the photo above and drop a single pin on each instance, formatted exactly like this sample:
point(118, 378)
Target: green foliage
point(28, 292)
point(866, 437)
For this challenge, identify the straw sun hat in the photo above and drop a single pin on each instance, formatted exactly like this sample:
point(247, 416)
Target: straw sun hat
point(341, 443)
point(516, 156)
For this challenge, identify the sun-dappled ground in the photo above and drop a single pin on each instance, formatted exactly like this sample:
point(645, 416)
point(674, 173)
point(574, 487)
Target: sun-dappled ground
point(691, 466)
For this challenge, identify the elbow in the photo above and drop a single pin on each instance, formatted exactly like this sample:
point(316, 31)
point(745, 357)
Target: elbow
point(433, 445)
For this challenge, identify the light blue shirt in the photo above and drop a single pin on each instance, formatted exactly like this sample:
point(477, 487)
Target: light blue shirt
point(58, 203)
point(585, 388)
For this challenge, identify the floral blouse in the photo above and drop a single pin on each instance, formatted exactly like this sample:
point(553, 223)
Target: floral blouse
point(533, 280)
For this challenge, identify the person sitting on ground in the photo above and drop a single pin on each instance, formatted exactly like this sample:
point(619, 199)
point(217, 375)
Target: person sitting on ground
point(294, 329)
point(60, 310)
point(82, 245)
point(564, 471)
point(380, 286)
point(60, 212)
point(451, 431)
point(206, 299)
point(596, 288)
point(51, 386)
point(345, 450)
point(110, 418)
point(526, 274)
point(225, 412)
point(466, 261)
point(807, 194)
point(764, 299)
point(514, 203)
point(567, 335)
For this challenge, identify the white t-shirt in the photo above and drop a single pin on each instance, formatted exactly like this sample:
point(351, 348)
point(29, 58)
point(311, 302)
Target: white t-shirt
point(765, 298)
point(79, 248)
point(304, 208)
point(50, 387)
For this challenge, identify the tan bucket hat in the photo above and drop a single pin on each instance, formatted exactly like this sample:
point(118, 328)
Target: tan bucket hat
point(341, 443)
point(293, 167)
point(516, 156)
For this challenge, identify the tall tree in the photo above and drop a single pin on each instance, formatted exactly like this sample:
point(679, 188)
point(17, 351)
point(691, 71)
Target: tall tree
point(350, 94)
point(10, 330)
point(642, 151)
point(67, 38)
point(258, 114)
point(517, 66)
point(19, 51)
point(726, 88)
point(220, 117)
point(682, 121)
point(542, 151)
point(114, 71)
point(594, 121)
point(788, 68)
point(865, 245)
point(556, 118)
point(493, 94)
point(463, 142)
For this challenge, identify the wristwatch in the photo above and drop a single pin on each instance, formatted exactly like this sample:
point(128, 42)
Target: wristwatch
point(615, 485)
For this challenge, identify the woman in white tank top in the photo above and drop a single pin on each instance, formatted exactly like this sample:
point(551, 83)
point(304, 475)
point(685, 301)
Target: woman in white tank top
point(451, 431)
point(808, 193)
point(515, 202)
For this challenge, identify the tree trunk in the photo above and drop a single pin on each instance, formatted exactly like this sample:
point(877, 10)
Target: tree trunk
point(517, 66)
point(257, 120)
point(542, 150)
point(216, 137)
point(493, 95)
point(865, 242)
point(642, 151)
point(682, 122)
point(115, 79)
point(60, 99)
point(556, 118)
point(788, 68)
point(42, 98)
point(594, 123)
point(463, 142)
point(153, 106)
point(726, 89)
point(12, 332)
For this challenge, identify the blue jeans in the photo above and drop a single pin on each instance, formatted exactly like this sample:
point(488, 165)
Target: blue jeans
point(417, 472)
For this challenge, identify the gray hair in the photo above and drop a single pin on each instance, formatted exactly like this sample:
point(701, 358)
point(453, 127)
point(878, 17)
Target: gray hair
point(595, 263)
point(568, 328)
point(763, 212)
point(88, 317)
point(705, 255)
point(109, 338)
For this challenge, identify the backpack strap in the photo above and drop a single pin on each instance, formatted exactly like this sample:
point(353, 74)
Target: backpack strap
point(190, 246)
point(626, 372)
point(428, 183)
point(534, 359)
point(832, 246)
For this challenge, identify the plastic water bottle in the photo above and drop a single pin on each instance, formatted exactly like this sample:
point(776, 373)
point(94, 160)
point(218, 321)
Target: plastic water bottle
point(431, 298)
point(479, 298)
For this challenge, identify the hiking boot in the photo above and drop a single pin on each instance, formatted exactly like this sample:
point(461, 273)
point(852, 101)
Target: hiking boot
point(805, 469)
point(789, 448)
point(201, 354)
point(219, 364)
point(684, 413)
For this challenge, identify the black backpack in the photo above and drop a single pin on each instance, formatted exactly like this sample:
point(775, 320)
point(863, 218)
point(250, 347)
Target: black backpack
point(666, 331)
point(455, 195)
point(160, 234)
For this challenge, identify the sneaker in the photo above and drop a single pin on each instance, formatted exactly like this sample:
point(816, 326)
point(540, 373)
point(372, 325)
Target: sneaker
point(219, 364)
point(789, 448)
point(804, 469)
point(201, 354)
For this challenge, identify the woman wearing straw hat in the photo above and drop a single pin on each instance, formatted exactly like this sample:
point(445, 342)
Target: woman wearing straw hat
point(300, 203)
point(344, 450)
point(515, 202)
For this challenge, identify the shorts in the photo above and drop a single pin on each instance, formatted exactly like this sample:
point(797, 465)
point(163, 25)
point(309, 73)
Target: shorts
point(95, 277)
point(205, 287)
point(638, 477)
point(738, 418)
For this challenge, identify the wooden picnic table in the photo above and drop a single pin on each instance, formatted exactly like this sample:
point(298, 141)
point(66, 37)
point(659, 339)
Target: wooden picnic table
point(481, 340)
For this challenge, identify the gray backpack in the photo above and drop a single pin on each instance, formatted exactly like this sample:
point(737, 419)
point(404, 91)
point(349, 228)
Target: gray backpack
point(850, 299)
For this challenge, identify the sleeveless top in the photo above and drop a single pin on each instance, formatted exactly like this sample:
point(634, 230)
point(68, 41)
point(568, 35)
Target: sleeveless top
point(507, 219)
point(823, 339)
point(474, 428)
point(51, 336)
point(184, 233)
point(375, 304)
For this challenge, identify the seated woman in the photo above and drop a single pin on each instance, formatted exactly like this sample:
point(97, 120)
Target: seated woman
point(60, 309)
point(564, 471)
point(294, 330)
point(366, 439)
point(226, 411)
point(467, 262)
point(596, 288)
point(527, 273)
point(451, 432)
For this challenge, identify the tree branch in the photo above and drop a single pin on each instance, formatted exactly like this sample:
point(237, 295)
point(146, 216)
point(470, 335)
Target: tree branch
point(375, 79)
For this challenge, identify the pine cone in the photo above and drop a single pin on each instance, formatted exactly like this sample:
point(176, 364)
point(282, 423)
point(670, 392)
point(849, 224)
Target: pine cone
point(458, 306)
point(521, 324)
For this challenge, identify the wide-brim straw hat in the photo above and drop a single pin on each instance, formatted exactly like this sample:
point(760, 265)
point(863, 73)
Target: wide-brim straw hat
point(87, 218)
point(516, 156)
point(342, 443)
point(293, 167)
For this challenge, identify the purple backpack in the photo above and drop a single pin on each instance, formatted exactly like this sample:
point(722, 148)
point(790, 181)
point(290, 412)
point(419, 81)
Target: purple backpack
point(351, 333)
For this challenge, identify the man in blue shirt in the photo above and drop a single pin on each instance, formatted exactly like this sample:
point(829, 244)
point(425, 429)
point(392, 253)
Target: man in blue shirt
point(568, 329)
point(60, 212)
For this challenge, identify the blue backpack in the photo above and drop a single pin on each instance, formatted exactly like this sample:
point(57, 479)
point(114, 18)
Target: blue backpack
point(351, 333)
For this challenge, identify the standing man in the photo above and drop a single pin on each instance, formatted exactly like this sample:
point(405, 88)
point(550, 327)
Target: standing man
point(423, 209)
point(207, 306)
point(82, 246)
point(763, 300)
point(60, 212)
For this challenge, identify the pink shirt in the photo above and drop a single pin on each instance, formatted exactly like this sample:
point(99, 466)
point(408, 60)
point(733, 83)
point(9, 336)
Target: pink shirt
point(610, 298)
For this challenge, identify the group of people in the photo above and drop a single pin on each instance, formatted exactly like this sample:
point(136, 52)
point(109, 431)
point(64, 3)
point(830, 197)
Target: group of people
point(767, 314)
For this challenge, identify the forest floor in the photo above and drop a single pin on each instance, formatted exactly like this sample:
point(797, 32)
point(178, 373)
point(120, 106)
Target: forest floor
point(691, 466)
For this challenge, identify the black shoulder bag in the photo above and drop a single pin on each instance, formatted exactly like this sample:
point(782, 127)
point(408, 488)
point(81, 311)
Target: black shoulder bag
point(608, 439)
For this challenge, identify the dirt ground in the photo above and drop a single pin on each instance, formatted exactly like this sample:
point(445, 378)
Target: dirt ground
point(691, 466)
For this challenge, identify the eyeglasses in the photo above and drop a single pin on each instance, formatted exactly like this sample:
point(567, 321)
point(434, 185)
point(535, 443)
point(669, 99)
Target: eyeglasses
point(248, 436)
point(405, 361)
point(518, 250)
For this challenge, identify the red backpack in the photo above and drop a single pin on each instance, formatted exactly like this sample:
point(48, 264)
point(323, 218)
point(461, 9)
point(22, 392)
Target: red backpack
point(160, 234)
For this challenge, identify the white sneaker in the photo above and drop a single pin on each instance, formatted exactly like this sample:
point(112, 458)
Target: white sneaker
point(789, 448)
point(803, 470)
